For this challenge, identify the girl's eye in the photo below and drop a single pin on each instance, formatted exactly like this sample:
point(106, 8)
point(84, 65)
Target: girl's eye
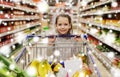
point(59, 24)
point(65, 24)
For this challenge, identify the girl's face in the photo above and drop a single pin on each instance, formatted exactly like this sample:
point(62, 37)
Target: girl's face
point(63, 26)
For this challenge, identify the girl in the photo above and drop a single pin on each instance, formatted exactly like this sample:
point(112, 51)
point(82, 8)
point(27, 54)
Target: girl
point(63, 26)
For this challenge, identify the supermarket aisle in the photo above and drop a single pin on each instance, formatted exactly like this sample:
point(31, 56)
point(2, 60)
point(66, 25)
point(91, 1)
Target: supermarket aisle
point(101, 24)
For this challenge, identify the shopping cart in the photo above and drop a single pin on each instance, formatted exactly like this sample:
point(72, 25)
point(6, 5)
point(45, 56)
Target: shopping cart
point(56, 52)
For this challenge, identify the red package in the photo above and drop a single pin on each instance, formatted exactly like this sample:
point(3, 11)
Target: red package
point(116, 8)
point(10, 4)
point(2, 16)
point(1, 1)
point(1, 44)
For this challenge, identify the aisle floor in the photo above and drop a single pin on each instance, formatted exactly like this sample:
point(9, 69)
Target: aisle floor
point(103, 71)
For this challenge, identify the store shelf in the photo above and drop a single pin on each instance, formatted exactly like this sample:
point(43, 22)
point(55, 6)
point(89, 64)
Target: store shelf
point(20, 18)
point(14, 42)
point(112, 11)
point(101, 61)
point(102, 3)
point(52, 7)
point(6, 6)
point(18, 8)
point(29, 2)
point(100, 25)
point(102, 57)
point(100, 39)
point(111, 45)
point(90, 1)
point(20, 29)
point(15, 53)
point(101, 13)
point(28, 10)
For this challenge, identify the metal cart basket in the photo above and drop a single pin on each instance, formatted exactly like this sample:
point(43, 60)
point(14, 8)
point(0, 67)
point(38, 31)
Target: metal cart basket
point(59, 53)
point(54, 52)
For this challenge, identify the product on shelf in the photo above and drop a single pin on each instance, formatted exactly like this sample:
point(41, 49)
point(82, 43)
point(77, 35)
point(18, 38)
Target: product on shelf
point(99, 19)
point(5, 16)
point(114, 58)
point(116, 7)
point(7, 40)
point(112, 22)
point(93, 40)
point(117, 41)
point(116, 62)
point(103, 48)
point(7, 2)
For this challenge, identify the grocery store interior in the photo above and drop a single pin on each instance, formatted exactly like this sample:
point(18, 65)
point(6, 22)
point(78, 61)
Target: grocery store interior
point(27, 25)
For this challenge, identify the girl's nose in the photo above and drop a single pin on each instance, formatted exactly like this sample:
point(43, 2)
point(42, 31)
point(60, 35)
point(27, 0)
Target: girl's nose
point(62, 26)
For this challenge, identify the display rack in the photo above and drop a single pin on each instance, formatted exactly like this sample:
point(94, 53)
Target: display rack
point(16, 18)
point(93, 6)
point(100, 25)
point(97, 15)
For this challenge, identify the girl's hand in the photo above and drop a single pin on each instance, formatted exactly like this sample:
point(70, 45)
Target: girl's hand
point(77, 38)
point(51, 39)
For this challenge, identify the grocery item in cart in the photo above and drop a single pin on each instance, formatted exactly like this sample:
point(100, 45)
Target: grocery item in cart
point(73, 65)
point(41, 68)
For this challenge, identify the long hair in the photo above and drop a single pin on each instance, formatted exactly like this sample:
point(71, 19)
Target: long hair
point(69, 19)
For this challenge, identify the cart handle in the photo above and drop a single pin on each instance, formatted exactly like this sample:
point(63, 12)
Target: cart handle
point(52, 36)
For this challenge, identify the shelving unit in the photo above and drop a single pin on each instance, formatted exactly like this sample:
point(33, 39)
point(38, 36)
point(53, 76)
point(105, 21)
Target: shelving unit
point(101, 13)
point(102, 40)
point(96, 5)
point(17, 18)
point(100, 25)
point(100, 19)
point(18, 8)
point(74, 16)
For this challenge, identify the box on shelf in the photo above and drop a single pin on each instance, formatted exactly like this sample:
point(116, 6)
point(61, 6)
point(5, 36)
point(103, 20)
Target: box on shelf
point(112, 22)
